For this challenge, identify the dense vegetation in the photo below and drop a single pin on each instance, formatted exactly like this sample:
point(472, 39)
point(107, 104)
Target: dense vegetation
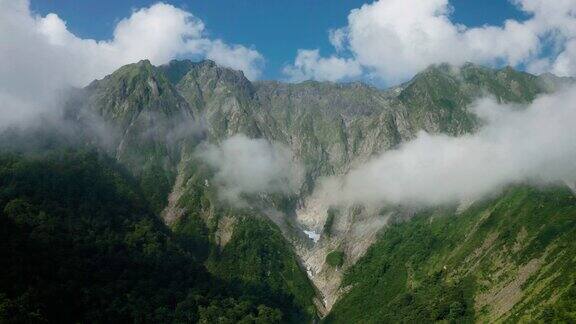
point(445, 267)
point(335, 259)
point(330, 218)
point(259, 258)
point(80, 244)
point(254, 257)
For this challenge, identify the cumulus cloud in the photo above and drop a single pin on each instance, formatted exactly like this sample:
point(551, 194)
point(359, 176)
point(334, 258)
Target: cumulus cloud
point(40, 56)
point(535, 144)
point(252, 166)
point(394, 39)
point(310, 65)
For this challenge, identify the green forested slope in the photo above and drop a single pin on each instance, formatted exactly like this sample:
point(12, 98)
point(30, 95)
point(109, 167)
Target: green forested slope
point(244, 248)
point(511, 258)
point(80, 244)
point(257, 256)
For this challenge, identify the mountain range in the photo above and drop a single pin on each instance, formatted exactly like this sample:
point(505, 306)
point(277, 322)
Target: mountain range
point(115, 211)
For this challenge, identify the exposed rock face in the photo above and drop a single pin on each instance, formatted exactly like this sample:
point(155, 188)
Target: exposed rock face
point(331, 127)
point(161, 113)
point(149, 119)
point(351, 232)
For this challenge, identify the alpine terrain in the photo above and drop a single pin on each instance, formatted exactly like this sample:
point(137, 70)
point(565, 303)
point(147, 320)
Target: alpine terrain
point(186, 193)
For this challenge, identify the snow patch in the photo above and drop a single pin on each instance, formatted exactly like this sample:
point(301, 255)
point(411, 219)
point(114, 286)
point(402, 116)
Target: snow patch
point(312, 235)
point(309, 272)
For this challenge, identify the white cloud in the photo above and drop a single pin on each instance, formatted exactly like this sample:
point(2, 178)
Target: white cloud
point(39, 56)
point(337, 38)
point(565, 63)
point(536, 144)
point(394, 39)
point(237, 57)
point(252, 166)
point(309, 65)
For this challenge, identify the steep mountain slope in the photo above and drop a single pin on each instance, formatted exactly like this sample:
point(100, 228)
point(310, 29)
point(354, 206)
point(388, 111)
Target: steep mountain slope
point(80, 244)
point(243, 244)
point(332, 127)
point(439, 96)
point(506, 259)
point(148, 121)
point(329, 127)
point(220, 96)
point(161, 154)
point(153, 121)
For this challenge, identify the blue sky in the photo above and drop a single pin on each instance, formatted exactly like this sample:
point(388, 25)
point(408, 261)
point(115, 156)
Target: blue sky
point(277, 29)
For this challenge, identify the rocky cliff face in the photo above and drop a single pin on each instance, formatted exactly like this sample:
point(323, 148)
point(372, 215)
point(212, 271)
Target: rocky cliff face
point(148, 120)
point(160, 114)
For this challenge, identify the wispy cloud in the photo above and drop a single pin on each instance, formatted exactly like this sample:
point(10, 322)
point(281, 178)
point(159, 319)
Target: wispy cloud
point(534, 144)
point(251, 166)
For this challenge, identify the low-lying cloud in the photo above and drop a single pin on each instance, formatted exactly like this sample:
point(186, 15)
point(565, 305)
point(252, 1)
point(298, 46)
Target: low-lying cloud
point(246, 166)
point(535, 144)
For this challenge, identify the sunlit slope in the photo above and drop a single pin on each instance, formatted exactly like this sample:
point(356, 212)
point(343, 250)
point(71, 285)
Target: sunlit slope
point(510, 258)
